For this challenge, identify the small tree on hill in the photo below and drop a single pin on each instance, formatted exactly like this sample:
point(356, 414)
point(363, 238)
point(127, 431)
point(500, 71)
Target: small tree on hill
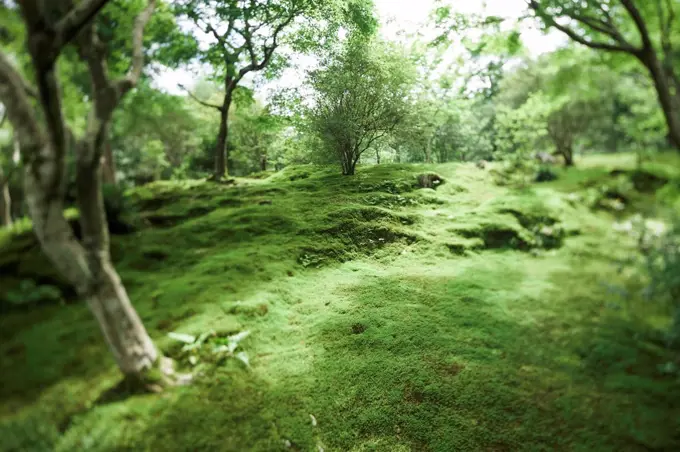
point(246, 36)
point(360, 97)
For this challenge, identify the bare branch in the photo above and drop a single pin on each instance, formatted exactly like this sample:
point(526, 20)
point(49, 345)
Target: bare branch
point(135, 72)
point(202, 102)
point(18, 107)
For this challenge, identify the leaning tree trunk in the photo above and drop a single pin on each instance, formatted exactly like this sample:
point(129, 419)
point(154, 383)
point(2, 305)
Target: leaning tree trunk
point(567, 153)
point(670, 102)
point(108, 165)
point(44, 144)
point(108, 300)
point(5, 201)
point(222, 138)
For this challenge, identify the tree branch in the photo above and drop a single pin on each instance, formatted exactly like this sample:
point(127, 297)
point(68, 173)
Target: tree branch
point(81, 15)
point(551, 22)
point(202, 102)
point(137, 66)
point(268, 50)
point(18, 108)
point(639, 23)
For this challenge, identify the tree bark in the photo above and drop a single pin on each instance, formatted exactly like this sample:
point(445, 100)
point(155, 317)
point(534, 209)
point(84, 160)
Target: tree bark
point(221, 155)
point(670, 102)
point(263, 162)
point(86, 264)
point(5, 201)
point(108, 165)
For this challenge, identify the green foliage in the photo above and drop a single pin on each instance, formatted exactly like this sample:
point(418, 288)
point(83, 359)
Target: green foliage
point(29, 293)
point(661, 264)
point(360, 97)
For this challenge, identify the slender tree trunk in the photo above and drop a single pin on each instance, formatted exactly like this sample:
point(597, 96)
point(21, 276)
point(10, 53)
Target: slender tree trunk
point(108, 165)
point(107, 298)
point(568, 154)
point(263, 162)
point(44, 144)
point(377, 156)
point(5, 201)
point(221, 155)
point(87, 266)
point(670, 102)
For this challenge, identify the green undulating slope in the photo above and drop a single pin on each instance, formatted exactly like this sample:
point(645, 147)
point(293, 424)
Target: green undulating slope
point(382, 316)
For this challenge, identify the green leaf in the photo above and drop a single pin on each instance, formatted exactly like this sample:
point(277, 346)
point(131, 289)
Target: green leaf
point(235, 340)
point(186, 338)
point(243, 357)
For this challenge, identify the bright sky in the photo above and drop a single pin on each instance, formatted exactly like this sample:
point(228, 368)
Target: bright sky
point(409, 16)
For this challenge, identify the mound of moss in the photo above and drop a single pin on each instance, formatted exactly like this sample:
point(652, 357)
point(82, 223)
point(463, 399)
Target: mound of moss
point(392, 344)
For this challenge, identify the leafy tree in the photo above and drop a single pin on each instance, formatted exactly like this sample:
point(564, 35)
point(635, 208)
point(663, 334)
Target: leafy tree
point(360, 97)
point(45, 139)
point(255, 133)
point(156, 135)
point(609, 25)
point(246, 36)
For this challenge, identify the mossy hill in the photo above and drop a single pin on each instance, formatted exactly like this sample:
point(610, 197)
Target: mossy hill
point(383, 317)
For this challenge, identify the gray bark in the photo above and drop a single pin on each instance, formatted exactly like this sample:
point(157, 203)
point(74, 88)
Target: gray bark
point(87, 264)
point(5, 201)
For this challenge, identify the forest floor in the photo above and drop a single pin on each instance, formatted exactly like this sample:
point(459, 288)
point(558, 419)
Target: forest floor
point(381, 316)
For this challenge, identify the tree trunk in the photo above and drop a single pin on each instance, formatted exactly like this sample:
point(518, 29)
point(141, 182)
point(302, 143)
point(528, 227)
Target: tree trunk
point(44, 145)
point(263, 162)
point(88, 266)
point(125, 334)
point(5, 202)
point(108, 165)
point(222, 137)
point(670, 102)
point(377, 156)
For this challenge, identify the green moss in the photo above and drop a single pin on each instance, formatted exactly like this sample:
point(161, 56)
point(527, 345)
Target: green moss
point(425, 340)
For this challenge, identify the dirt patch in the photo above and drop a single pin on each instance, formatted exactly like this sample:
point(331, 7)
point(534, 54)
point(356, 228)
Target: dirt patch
point(358, 328)
point(453, 369)
point(413, 395)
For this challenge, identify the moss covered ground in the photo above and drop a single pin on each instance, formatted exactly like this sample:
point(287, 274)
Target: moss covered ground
point(382, 317)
